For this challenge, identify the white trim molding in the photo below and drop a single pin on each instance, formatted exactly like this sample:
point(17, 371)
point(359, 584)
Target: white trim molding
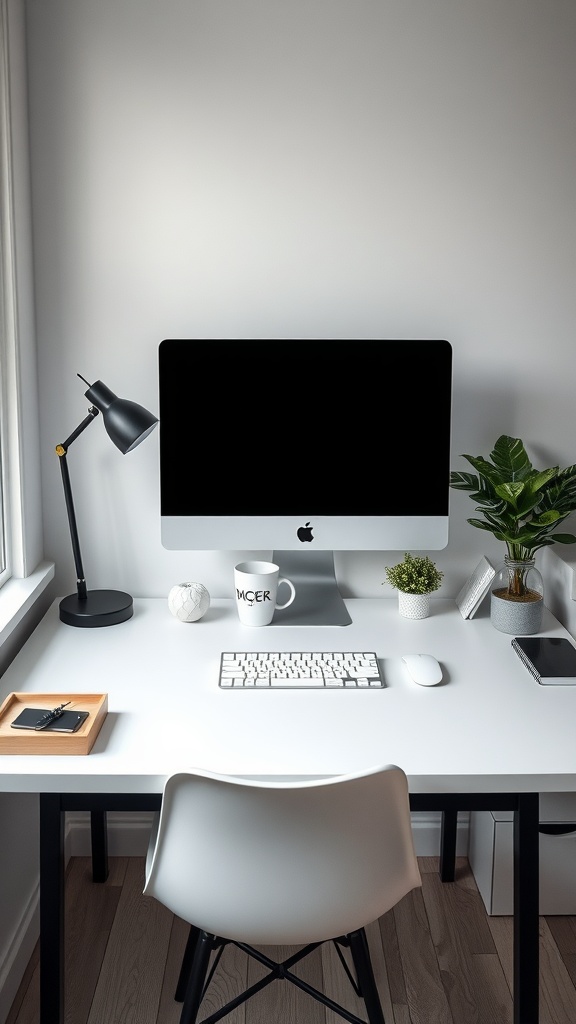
point(19, 376)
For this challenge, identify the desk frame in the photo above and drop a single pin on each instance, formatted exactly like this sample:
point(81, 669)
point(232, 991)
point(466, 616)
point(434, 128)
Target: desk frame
point(53, 807)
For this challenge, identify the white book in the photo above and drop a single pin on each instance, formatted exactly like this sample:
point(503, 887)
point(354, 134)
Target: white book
point(475, 589)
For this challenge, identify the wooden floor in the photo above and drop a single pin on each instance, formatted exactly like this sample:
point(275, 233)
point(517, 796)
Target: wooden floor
point(439, 959)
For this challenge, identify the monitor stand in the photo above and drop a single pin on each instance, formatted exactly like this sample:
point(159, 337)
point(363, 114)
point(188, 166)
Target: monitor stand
point(318, 601)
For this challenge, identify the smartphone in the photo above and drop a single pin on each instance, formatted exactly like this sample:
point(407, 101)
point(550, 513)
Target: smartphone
point(69, 721)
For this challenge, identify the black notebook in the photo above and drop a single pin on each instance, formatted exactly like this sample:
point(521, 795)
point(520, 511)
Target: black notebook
point(68, 721)
point(550, 659)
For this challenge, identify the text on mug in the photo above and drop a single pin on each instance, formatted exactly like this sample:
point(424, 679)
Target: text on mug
point(253, 596)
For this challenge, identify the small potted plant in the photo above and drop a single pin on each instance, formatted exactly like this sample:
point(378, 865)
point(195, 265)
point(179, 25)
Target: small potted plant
point(415, 578)
point(522, 507)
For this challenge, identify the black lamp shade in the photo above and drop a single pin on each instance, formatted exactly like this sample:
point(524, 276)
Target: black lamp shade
point(127, 423)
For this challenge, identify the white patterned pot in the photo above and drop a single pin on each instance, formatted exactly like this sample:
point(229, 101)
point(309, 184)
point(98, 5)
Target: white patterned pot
point(188, 602)
point(413, 606)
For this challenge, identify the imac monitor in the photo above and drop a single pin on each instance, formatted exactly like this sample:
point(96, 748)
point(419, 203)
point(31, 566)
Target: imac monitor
point(305, 447)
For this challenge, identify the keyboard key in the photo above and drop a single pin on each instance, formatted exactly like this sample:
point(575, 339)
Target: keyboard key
point(300, 683)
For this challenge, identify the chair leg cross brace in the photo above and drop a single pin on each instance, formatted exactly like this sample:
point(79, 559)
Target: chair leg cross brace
point(206, 944)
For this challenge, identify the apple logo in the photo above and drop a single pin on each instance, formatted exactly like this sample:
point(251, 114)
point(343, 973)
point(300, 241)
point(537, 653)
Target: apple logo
point(304, 533)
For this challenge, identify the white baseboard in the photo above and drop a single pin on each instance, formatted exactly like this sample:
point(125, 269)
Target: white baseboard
point(128, 836)
point(17, 955)
point(426, 831)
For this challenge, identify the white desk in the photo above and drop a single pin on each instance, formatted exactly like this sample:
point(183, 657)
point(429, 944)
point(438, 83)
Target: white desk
point(488, 737)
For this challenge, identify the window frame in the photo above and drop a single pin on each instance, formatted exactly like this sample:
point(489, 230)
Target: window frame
point(27, 573)
point(6, 293)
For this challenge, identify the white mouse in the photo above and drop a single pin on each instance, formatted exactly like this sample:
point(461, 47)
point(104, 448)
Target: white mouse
point(423, 669)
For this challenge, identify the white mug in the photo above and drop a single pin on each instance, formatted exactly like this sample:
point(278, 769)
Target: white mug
point(255, 589)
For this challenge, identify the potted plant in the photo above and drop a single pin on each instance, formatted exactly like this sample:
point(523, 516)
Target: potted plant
point(522, 507)
point(415, 578)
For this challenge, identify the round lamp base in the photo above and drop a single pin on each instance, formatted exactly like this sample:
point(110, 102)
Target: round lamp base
point(100, 608)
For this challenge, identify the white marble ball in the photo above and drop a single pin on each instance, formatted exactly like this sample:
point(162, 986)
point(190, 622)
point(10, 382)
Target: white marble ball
point(188, 602)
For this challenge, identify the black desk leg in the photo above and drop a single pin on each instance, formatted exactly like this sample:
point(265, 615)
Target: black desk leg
point(448, 846)
point(51, 909)
point(526, 910)
point(99, 837)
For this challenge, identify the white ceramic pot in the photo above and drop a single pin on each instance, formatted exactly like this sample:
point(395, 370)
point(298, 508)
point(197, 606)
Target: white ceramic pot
point(413, 606)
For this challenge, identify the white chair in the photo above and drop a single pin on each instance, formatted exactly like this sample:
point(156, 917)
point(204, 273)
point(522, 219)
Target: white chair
point(299, 862)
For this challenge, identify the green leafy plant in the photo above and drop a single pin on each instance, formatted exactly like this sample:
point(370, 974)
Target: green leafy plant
point(416, 574)
point(522, 506)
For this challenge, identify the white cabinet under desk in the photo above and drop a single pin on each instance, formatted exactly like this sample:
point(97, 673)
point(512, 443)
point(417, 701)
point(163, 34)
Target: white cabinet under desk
point(490, 854)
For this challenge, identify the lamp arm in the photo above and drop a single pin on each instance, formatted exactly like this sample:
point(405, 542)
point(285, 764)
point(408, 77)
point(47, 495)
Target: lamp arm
point(62, 451)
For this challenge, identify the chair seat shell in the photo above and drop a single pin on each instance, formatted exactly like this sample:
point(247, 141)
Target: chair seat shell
point(271, 862)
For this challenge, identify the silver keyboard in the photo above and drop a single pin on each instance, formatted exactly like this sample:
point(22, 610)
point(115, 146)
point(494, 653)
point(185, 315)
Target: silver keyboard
point(303, 670)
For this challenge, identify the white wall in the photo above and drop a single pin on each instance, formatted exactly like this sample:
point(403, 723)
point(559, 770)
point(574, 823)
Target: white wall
point(314, 168)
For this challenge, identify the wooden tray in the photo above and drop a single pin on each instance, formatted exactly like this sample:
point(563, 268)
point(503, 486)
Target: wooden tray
point(26, 741)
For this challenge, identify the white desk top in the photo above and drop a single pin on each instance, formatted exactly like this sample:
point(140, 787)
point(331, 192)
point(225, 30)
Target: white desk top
point(489, 727)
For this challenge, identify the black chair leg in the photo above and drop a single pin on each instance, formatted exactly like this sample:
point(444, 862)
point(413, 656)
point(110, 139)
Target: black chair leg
point(365, 975)
point(203, 948)
point(187, 962)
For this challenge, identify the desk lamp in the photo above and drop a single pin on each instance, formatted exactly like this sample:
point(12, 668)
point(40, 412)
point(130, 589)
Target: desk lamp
point(127, 425)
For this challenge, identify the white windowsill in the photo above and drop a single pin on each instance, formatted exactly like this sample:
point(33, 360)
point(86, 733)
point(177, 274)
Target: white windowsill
point(17, 596)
